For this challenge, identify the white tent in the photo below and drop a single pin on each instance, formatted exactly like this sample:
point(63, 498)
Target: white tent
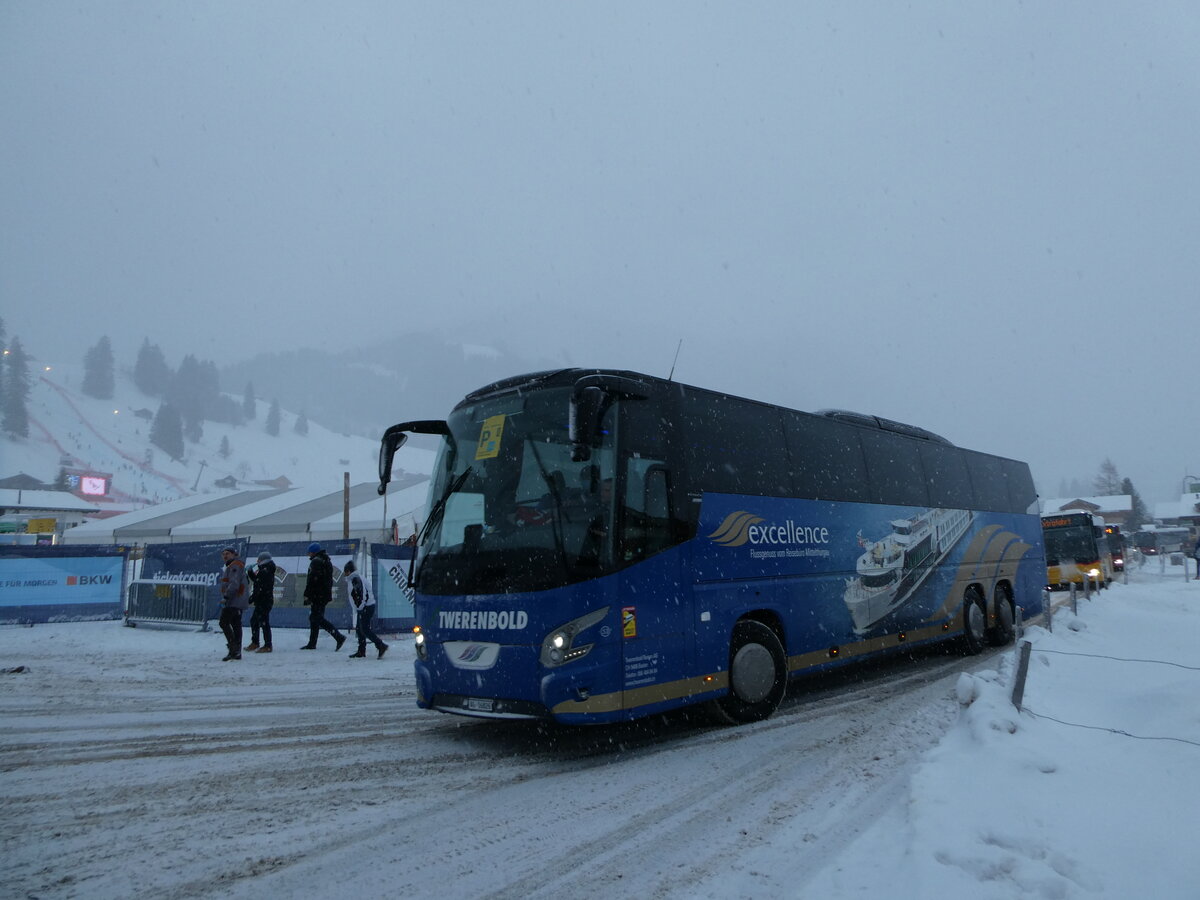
point(296, 514)
point(372, 520)
point(152, 522)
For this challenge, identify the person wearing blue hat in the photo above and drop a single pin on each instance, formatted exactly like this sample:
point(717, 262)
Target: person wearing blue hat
point(318, 593)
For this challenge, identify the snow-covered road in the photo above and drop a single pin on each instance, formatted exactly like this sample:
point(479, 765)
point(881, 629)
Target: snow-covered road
point(136, 763)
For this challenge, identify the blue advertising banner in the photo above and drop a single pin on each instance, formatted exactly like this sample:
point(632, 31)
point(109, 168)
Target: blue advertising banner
point(61, 584)
point(189, 563)
point(291, 577)
point(184, 565)
point(390, 578)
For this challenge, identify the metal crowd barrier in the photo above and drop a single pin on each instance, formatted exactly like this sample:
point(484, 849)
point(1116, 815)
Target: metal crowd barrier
point(176, 604)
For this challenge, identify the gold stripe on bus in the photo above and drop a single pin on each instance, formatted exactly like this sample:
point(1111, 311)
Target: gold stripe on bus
point(804, 661)
point(968, 570)
point(1007, 570)
point(714, 681)
point(643, 696)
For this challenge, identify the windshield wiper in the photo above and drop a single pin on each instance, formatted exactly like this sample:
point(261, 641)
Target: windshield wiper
point(436, 513)
point(556, 519)
point(439, 508)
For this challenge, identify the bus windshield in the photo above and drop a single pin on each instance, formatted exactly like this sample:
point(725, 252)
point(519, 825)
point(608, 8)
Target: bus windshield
point(511, 510)
point(1072, 542)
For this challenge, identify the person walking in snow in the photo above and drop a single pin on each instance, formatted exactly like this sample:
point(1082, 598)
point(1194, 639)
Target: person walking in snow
point(262, 598)
point(318, 593)
point(234, 601)
point(1196, 555)
point(364, 606)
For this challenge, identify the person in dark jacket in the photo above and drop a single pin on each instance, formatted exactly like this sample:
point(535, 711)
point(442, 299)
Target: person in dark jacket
point(262, 598)
point(234, 601)
point(364, 607)
point(318, 593)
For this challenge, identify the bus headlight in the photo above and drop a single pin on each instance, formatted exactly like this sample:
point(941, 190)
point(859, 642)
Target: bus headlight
point(1093, 573)
point(419, 643)
point(559, 647)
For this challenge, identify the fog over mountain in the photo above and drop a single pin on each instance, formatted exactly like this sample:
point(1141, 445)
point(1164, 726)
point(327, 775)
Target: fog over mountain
point(364, 390)
point(979, 219)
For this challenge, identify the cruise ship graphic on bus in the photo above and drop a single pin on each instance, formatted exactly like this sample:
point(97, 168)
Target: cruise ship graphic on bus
point(892, 568)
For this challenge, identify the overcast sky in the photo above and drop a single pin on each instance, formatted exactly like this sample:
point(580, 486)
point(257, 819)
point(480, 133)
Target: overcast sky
point(980, 218)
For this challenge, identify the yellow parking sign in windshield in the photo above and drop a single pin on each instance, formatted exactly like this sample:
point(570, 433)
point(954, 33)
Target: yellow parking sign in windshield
point(489, 437)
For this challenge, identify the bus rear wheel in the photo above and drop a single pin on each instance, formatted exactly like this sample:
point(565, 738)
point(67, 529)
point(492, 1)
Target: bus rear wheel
point(1003, 629)
point(757, 674)
point(974, 621)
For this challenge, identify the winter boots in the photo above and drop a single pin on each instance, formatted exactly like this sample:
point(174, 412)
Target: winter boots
point(338, 639)
point(266, 649)
point(251, 647)
point(359, 655)
point(382, 650)
point(232, 654)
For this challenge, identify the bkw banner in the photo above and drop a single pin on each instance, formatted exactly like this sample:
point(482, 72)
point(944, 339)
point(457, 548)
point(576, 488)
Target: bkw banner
point(61, 584)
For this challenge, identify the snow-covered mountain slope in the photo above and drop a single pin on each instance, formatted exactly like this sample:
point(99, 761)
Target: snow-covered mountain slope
point(73, 431)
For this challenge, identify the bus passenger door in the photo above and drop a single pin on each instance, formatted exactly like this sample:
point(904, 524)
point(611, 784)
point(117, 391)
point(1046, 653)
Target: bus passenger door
point(655, 607)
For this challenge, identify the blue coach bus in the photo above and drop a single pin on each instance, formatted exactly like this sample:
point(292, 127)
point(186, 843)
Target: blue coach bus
point(602, 545)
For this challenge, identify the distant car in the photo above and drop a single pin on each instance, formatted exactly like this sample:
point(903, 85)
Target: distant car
point(1118, 548)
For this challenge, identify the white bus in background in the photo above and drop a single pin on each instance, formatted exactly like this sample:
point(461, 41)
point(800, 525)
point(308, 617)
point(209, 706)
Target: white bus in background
point(1152, 540)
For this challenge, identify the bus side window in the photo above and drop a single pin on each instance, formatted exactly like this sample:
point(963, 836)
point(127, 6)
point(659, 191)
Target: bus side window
point(894, 469)
point(990, 482)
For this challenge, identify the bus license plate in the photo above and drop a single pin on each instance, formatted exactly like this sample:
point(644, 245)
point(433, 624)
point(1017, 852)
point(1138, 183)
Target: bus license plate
point(476, 704)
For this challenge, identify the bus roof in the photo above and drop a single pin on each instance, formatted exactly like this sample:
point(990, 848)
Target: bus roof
point(564, 377)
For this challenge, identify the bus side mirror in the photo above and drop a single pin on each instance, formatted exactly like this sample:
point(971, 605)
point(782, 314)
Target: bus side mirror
point(583, 422)
point(589, 402)
point(393, 439)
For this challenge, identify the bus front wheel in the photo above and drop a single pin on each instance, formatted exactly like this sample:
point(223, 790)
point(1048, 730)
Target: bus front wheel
point(757, 674)
point(974, 621)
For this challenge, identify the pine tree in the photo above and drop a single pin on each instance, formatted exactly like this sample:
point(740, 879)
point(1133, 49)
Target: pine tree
point(1107, 483)
point(185, 393)
point(98, 378)
point(225, 449)
point(193, 429)
point(166, 431)
point(301, 426)
point(273, 419)
point(208, 391)
point(1138, 513)
point(249, 404)
point(3, 349)
point(16, 390)
point(225, 409)
point(151, 373)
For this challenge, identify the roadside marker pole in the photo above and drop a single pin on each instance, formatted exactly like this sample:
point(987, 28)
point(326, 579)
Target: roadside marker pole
point(1018, 693)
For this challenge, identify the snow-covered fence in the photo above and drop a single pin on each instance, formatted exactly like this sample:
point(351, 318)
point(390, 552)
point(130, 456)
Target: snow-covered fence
point(178, 583)
point(176, 604)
